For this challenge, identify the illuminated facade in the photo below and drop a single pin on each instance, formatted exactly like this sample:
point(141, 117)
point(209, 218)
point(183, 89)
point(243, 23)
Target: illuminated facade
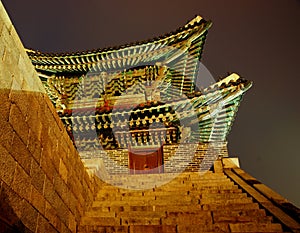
point(141, 97)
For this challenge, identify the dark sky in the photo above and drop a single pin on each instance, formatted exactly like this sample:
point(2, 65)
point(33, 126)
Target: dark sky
point(260, 40)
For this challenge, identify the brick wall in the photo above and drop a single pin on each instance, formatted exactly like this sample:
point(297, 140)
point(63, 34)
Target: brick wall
point(44, 186)
point(186, 157)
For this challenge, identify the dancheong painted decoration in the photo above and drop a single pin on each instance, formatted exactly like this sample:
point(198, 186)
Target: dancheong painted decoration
point(141, 96)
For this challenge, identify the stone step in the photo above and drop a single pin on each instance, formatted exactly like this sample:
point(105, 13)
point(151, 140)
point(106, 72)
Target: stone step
point(182, 174)
point(100, 221)
point(203, 228)
point(144, 186)
point(236, 216)
point(230, 206)
point(152, 225)
point(163, 211)
point(255, 227)
point(223, 196)
point(216, 227)
point(126, 220)
point(155, 177)
point(110, 203)
point(187, 218)
point(176, 207)
point(158, 208)
point(138, 214)
point(176, 188)
point(188, 203)
point(109, 188)
point(109, 193)
point(176, 198)
point(226, 201)
point(239, 212)
point(243, 219)
point(153, 229)
point(102, 214)
point(149, 200)
point(215, 191)
point(102, 196)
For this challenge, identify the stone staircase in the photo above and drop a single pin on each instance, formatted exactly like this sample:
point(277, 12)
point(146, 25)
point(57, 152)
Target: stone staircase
point(191, 202)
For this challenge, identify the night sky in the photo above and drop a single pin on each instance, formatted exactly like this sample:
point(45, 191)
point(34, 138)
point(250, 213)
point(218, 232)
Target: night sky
point(260, 40)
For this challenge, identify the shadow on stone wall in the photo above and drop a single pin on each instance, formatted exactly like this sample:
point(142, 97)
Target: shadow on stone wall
point(9, 220)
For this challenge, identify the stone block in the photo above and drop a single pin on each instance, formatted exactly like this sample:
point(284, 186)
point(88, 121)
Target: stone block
point(103, 229)
point(22, 99)
point(37, 176)
point(72, 203)
point(21, 183)
point(100, 221)
point(63, 213)
point(4, 16)
point(255, 227)
point(17, 121)
point(176, 207)
point(63, 171)
point(11, 208)
point(7, 166)
point(34, 145)
point(183, 228)
point(152, 229)
point(100, 213)
point(37, 200)
point(20, 153)
point(33, 118)
point(224, 196)
point(72, 223)
point(5, 105)
point(29, 216)
point(187, 218)
point(6, 135)
point(17, 79)
point(12, 54)
point(140, 221)
point(46, 164)
point(141, 208)
point(64, 229)
point(230, 163)
point(51, 215)
point(141, 214)
point(218, 167)
point(231, 216)
point(6, 75)
point(61, 188)
point(230, 206)
point(44, 225)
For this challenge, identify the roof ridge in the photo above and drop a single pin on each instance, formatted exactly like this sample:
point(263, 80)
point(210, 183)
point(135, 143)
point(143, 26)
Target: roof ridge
point(196, 21)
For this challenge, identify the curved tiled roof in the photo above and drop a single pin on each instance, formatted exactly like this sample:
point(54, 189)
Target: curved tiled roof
point(84, 86)
point(124, 55)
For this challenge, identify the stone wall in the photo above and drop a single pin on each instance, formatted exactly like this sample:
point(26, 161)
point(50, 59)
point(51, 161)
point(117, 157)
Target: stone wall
point(44, 186)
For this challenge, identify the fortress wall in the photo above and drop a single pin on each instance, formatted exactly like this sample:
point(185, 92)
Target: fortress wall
point(44, 185)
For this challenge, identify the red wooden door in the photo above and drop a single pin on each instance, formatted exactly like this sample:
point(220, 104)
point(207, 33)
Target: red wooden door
point(146, 161)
